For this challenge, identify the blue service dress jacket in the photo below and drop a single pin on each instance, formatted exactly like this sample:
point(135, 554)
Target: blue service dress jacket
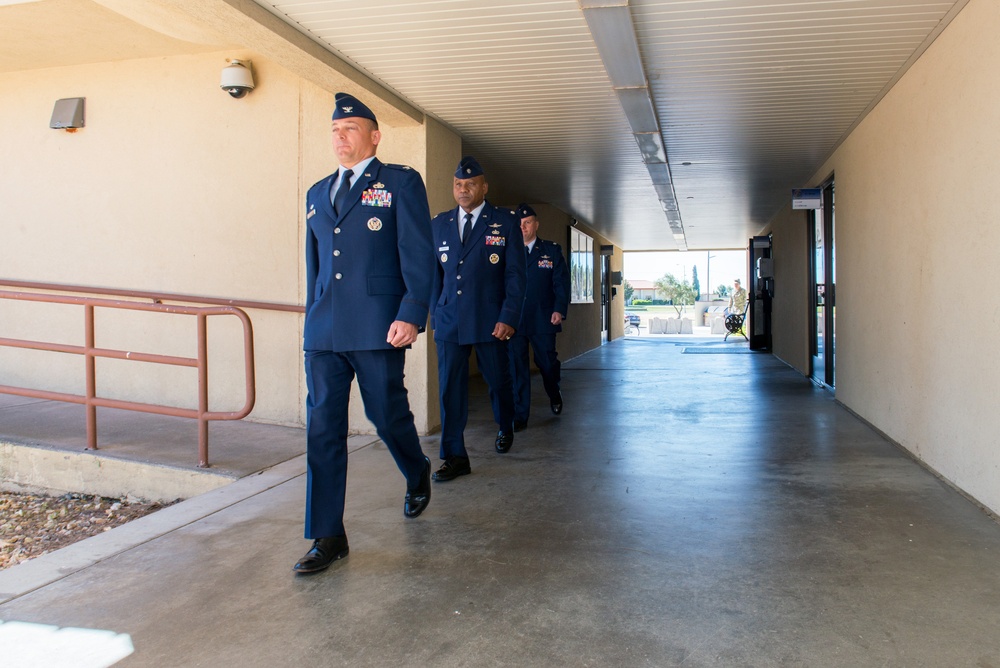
point(481, 283)
point(370, 265)
point(547, 289)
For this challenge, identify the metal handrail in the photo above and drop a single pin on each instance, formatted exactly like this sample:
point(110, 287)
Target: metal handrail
point(90, 352)
point(154, 296)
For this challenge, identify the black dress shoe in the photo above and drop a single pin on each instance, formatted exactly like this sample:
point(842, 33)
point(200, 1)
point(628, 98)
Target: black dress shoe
point(418, 498)
point(520, 425)
point(557, 404)
point(324, 552)
point(452, 468)
point(505, 439)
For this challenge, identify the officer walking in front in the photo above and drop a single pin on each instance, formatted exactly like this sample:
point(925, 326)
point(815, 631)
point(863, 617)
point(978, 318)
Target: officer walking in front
point(477, 305)
point(546, 303)
point(369, 279)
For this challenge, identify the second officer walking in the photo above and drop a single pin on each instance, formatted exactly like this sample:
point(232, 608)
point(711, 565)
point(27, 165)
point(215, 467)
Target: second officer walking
point(476, 305)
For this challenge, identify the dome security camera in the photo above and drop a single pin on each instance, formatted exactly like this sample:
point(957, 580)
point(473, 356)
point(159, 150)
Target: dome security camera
point(237, 78)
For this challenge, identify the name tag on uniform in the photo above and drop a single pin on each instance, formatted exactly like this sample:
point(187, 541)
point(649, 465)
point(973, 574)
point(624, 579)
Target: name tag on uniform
point(442, 249)
point(492, 240)
point(375, 197)
point(312, 212)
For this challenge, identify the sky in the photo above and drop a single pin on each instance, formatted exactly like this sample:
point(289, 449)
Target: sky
point(723, 268)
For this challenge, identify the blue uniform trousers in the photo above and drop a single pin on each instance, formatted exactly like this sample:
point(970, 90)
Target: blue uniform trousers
point(544, 347)
point(328, 379)
point(453, 376)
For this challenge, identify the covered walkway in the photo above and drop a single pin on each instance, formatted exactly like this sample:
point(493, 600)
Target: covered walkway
point(695, 505)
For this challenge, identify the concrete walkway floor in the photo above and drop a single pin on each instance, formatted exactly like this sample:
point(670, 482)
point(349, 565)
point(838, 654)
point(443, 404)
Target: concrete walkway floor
point(695, 505)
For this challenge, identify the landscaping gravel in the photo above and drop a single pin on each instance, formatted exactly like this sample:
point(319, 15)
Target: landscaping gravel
point(32, 525)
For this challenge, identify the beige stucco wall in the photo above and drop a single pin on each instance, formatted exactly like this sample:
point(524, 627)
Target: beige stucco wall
point(173, 186)
point(916, 242)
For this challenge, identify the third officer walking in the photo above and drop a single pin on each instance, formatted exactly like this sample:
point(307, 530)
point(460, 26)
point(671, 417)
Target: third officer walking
point(546, 302)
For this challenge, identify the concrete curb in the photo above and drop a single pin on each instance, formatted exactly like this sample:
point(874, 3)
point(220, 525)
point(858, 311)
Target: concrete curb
point(37, 469)
point(46, 569)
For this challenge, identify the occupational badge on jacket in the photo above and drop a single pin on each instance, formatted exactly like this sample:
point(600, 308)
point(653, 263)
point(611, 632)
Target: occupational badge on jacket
point(376, 197)
point(494, 258)
point(374, 224)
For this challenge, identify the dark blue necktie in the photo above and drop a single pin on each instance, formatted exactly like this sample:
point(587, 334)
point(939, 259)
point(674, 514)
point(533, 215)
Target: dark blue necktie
point(466, 227)
point(345, 186)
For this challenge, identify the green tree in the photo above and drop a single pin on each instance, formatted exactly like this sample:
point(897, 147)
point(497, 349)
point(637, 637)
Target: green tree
point(629, 291)
point(679, 293)
point(695, 284)
point(722, 290)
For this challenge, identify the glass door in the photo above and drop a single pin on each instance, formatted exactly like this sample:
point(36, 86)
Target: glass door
point(819, 297)
point(605, 296)
point(823, 344)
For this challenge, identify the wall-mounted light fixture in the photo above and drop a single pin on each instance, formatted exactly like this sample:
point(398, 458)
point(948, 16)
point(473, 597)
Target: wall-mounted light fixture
point(68, 114)
point(237, 78)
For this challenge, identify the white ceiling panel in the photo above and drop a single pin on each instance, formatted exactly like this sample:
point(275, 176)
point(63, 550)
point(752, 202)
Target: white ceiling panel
point(750, 96)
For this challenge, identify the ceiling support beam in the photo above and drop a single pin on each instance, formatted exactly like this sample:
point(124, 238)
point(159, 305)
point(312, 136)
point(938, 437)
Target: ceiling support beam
point(611, 26)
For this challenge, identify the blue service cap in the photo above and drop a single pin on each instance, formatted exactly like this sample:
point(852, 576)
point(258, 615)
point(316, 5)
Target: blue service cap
point(348, 106)
point(524, 210)
point(468, 168)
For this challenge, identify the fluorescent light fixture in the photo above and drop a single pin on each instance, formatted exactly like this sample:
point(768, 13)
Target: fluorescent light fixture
point(614, 34)
point(659, 172)
point(666, 194)
point(638, 109)
point(651, 147)
point(610, 23)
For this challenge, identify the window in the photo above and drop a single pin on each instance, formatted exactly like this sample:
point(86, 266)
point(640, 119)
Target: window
point(581, 267)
